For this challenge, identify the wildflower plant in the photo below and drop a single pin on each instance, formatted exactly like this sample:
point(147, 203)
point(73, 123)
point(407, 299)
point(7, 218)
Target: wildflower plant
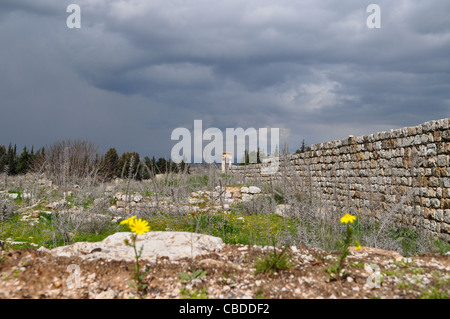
point(337, 271)
point(137, 227)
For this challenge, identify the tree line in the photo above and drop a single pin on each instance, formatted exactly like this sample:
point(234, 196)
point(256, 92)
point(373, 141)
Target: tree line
point(81, 158)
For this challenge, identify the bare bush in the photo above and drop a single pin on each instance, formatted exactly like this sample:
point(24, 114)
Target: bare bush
point(67, 225)
point(6, 210)
point(70, 160)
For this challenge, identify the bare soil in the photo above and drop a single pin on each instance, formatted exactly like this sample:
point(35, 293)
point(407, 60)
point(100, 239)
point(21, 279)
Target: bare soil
point(230, 273)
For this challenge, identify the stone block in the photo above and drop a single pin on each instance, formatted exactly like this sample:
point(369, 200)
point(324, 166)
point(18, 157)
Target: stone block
point(446, 135)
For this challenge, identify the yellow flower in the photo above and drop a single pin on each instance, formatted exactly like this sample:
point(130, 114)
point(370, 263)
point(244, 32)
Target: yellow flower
point(358, 247)
point(139, 227)
point(128, 221)
point(348, 218)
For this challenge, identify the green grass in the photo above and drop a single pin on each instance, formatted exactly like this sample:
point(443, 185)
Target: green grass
point(442, 246)
point(439, 289)
point(274, 262)
point(194, 293)
point(43, 233)
point(233, 228)
point(198, 181)
point(18, 199)
point(188, 277)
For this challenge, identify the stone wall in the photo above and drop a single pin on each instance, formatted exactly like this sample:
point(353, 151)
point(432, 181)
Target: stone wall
point(404, 171)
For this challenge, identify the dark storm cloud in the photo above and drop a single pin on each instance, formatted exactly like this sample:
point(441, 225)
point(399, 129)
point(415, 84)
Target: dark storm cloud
point(138, 69)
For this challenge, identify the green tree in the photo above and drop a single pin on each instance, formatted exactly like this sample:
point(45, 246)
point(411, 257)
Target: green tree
point(24, 161)
point(11, 159)
point(303, 148)
point(161, 165)
point(2, 157)
point(110, 167)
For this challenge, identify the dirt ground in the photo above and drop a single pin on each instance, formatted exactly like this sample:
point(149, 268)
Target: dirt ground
point(230, 273)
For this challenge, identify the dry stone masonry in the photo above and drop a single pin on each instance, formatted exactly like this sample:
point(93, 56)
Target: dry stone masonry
point(404, 172)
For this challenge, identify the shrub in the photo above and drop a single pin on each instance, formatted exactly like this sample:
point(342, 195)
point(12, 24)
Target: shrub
point(273, 262)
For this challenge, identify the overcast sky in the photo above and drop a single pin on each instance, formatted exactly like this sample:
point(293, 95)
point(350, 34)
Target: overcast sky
point(138, 69)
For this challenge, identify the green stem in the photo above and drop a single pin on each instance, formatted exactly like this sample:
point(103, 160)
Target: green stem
point(345, 251)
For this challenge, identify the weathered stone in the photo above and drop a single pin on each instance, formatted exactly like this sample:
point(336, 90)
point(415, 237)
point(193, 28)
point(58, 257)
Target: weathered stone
point(35, 214)
point(121, 204)
point(13, 195)
point(431, 149)
point(446, 203)
point(244, 190)
point(446, 135)
point(447, 216)
point(174, 245)
point(234, 189)
point(434, 182)
point(435, 203)
point(254, 190)
point(447, 182)
point(281, 210)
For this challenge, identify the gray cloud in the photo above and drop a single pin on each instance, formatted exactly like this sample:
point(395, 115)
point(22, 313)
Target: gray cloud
point(138, 69)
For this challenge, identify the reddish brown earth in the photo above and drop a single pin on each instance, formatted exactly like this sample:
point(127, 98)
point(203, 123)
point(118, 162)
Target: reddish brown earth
point(230, 273)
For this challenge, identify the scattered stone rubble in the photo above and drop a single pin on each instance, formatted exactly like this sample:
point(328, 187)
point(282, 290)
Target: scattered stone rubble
point(119, 204)
point(66, 272)
point(220, 199)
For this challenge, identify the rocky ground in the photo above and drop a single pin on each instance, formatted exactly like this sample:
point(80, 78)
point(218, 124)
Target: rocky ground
point(218, 272)
point(229, 273)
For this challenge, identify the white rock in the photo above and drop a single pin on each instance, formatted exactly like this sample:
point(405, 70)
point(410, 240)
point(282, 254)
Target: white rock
point(214, 194)
point(43, 249)
point(100, 201)
point(194, 200)
point(254, 190)
point(281, 209)
point(109, 188)
point(112, 209)
point(174, 245)
point(244, 190)
point(108, 294)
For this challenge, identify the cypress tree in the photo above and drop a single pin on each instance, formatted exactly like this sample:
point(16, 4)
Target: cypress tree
point(111, 163)
point(2, 157)
point(23, 162)
point(11, 159)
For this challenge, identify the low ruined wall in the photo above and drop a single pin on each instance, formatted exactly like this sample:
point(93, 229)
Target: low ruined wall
point(404, 171)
